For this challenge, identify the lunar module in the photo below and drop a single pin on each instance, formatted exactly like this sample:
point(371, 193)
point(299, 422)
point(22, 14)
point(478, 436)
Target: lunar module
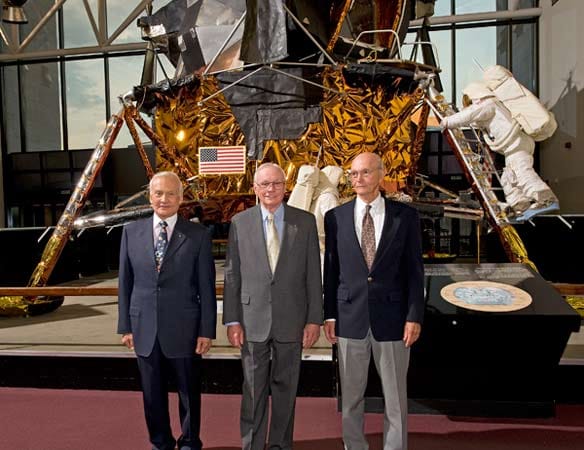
point(295, 82)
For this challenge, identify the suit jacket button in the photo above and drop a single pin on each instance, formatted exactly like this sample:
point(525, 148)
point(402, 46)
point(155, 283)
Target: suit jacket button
point(369, 279)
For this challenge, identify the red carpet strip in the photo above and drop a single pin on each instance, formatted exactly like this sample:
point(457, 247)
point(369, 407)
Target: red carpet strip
point(44, 419)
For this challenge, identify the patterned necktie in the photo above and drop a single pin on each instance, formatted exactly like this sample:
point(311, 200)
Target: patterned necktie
point(161, 244)
point(272, 242)
point(368, 237)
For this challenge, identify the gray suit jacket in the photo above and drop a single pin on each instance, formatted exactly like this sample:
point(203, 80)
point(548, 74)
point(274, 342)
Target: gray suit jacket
point(280, 304)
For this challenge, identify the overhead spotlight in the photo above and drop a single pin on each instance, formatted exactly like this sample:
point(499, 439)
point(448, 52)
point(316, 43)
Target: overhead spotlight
point(12, 11)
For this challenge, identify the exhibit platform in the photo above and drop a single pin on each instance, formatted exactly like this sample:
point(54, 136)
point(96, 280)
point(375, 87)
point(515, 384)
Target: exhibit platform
point(511, 364)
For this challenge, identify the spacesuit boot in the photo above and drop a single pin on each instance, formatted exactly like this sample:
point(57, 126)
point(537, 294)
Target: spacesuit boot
point(514, 196)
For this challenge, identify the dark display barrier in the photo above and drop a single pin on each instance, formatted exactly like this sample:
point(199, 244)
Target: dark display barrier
point(93, 252)
point(494, 361)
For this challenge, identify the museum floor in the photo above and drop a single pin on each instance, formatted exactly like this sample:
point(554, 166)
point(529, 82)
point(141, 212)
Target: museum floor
point(98, 420)
point(76, 347)
point(88, 325)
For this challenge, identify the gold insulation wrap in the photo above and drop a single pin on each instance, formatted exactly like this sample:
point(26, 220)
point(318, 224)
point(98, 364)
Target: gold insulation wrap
point(19, 306)
point(514, 247)
point(355, 120)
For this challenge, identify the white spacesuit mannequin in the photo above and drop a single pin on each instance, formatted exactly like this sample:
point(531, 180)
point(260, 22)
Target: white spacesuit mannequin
point(306, 182)
point(522, 186)
point(325, 197)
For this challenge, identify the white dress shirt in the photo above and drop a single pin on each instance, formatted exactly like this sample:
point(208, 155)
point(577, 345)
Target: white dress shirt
point(170, 224)
point(377, 212)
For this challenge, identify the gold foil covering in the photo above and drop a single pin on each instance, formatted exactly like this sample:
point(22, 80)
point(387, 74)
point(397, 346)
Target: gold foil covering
point(359, 119)
point(18, 306)
point(184, 125)
point(355, 121)
point(11, 306)
point(577, 303)
point(514, 247)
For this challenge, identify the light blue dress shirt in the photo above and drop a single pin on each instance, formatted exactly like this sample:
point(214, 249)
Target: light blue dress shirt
point(278, 221)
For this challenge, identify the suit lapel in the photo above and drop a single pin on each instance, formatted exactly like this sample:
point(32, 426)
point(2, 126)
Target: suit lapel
point(176, 239)
point(391, 224)
point(145, 236)
point(353, 240)
point(288, 235)
point(257, 229)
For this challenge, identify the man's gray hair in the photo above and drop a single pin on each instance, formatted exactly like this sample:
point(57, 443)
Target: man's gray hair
point(265, 166)
point(167, 174)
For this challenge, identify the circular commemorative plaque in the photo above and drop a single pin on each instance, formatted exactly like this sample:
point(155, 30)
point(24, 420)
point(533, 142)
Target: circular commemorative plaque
point(487, 296)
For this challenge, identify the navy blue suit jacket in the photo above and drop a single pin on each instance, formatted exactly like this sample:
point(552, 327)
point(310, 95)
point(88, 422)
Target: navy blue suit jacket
point(384, 298)
point(177, 304)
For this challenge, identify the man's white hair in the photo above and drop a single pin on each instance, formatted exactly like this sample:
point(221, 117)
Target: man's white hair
point(265, 166)
point(167, 174)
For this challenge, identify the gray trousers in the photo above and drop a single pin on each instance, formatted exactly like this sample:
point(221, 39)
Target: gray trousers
point(260, 378)
point(391, 359)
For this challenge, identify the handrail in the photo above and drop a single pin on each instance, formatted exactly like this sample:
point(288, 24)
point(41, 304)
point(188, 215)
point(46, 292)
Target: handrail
point(569, 289)
point(83, 291)
point(73, 291)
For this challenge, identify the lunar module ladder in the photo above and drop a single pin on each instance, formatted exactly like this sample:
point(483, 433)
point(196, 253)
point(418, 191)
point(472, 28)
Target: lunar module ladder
point(477, 164)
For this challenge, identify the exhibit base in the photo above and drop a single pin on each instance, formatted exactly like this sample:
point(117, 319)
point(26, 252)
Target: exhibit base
point(478, 363)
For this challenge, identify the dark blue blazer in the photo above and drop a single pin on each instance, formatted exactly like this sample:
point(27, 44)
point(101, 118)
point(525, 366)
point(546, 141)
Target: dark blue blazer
point(384, 298)
point(177, 304)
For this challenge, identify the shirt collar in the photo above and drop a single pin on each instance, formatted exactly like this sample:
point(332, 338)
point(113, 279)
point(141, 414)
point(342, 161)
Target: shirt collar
point(375, 204)
point(278, 213)
point(170, 221)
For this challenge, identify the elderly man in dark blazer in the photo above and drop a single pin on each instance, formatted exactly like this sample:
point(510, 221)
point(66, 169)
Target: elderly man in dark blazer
point(373, 299)
point(167, 309)
point(272, 306)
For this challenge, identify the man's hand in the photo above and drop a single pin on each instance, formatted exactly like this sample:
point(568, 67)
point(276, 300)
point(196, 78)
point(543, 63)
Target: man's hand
point(311, 334)
point(443, 124)
point(411, 333)
point(128, 340)
point(203, 345)
point(329, 331)
point(235, 335)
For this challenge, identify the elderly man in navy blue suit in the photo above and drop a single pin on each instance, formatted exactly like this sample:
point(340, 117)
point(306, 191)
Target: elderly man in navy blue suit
point(373, 299)
point(167, 310)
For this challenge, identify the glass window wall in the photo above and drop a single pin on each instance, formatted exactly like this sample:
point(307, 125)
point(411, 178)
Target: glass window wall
point(86, 114)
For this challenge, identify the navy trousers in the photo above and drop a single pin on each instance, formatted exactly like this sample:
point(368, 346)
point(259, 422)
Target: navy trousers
point(156, 371)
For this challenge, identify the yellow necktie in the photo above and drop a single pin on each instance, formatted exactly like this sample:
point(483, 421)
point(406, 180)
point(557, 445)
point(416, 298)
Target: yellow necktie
point(272, 242)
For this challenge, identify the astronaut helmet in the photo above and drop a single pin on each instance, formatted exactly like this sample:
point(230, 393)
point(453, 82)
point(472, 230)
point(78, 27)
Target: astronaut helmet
point(331, 175)
point(477, 91)
point(307, 175)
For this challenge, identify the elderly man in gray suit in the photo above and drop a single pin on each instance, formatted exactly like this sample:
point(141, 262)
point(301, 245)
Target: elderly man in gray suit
point(272, 306)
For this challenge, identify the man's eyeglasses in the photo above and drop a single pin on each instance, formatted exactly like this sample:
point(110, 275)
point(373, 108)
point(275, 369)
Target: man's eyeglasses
point(365, 173)
point(267, 184)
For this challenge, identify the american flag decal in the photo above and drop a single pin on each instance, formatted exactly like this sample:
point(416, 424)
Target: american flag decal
point(221, 160)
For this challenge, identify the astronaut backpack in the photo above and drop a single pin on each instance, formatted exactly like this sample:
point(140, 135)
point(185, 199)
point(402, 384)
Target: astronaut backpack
point(533, 117)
